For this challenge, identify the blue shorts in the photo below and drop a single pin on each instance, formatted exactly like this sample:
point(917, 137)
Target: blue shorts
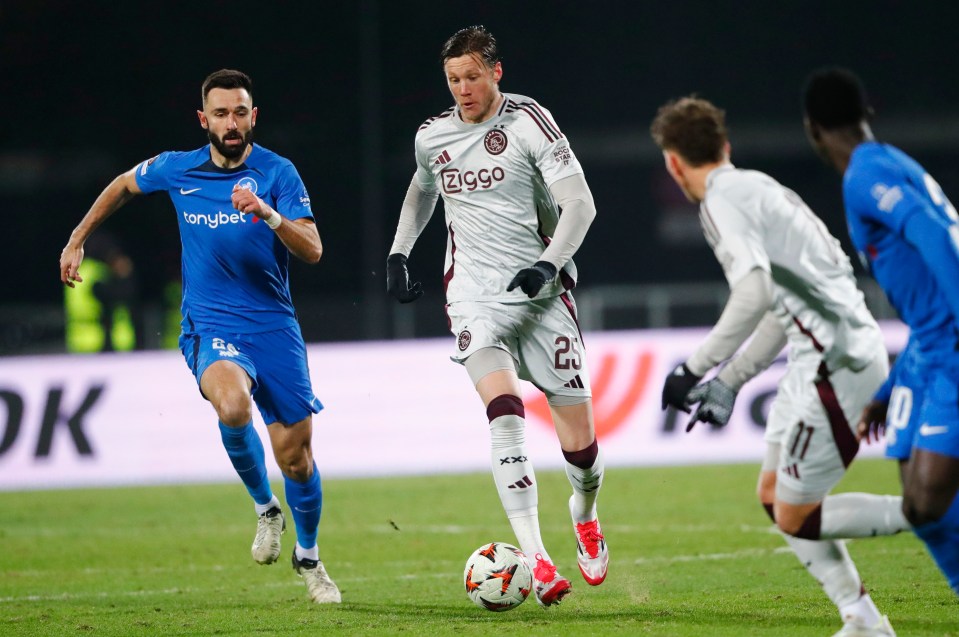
point(275, 362)
point(902, 417)
point(938, 429)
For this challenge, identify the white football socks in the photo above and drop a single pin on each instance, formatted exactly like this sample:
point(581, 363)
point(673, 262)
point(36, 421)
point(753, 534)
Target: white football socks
point(829, 562)
point(863, 607)
point(516, 481)
point(851, 515)
point(586, 484)
point(263, 508)
point(307, 554)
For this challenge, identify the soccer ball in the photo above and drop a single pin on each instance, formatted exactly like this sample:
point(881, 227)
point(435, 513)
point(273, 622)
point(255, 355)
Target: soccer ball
point(498, 577)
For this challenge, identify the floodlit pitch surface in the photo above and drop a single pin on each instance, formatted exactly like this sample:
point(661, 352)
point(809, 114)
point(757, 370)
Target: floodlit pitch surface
point(692, 554)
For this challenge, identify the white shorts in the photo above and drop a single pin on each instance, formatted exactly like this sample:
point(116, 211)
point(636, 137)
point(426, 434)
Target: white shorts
point(542, 336)
point(813, 421)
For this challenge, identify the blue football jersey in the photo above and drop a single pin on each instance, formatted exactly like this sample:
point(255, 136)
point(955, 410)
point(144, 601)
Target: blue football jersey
point(906, 233)
point(235, 269)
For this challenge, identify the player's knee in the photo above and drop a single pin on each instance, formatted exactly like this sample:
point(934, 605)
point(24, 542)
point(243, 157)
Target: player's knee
point(788, 526)
point(234, 410)
point(922, 509)
point(807, 528)
point(298, 466)
point(766, 492)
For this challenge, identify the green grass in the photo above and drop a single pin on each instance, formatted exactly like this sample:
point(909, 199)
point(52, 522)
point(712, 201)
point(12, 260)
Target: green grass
point(692, 554)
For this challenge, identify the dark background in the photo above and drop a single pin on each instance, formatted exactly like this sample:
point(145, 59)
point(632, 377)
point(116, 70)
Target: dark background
point(90, 89)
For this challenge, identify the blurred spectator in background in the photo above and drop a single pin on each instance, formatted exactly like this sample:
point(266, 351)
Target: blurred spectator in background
point(101, 317)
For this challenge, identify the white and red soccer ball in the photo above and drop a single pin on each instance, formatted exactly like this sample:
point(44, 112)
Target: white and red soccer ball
point(498, 577)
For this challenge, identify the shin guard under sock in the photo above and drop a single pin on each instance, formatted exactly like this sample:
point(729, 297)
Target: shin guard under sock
point(245, 449)
point(306, 503)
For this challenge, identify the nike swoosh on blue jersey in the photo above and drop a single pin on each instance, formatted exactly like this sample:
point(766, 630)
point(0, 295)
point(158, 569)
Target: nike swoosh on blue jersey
point(187, 192)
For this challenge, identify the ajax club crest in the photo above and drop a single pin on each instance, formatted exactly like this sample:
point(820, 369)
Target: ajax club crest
point(495, 142)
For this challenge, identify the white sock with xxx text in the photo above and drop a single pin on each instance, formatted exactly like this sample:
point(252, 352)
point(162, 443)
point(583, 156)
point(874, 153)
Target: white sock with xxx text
point(513, 472)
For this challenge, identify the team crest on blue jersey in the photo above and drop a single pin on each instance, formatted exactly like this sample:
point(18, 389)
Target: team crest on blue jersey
point(463, 340)
point(247, 183)
point(495, 142)
point(886, 197)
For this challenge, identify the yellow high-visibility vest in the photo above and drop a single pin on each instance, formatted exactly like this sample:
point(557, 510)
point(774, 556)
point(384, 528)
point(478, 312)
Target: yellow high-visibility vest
point(84, 332)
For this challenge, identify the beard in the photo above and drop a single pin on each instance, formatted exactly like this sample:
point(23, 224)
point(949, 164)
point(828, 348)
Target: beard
point(231, 152)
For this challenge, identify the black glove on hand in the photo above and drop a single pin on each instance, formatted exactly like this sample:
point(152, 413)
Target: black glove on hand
point(398, 280)
point(532, 280)
point(716, 400)
point(677, 385)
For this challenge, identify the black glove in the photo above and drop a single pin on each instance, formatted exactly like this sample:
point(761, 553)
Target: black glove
point(677, 385)
point(716, 400)
point(398, 280)
point(532, 280)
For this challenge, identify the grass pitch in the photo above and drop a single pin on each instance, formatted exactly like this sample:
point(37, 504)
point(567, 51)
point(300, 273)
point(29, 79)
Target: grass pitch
point(692, 554)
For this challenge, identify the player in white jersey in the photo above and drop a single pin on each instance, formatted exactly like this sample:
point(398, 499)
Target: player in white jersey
point(789, 283)
point(505, 171)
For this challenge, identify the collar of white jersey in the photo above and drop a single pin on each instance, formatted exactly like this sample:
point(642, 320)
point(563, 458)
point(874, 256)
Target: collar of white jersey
point(458, 118)
point(718, 170)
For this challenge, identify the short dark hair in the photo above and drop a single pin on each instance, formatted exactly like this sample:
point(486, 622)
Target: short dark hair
point(226, 78)
point(835, 98)
point(692, 127)
point(475, 39)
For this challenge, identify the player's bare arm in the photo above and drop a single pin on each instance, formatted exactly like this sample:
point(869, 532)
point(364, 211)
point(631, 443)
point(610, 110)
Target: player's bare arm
point(300, 236)
point(114, 196)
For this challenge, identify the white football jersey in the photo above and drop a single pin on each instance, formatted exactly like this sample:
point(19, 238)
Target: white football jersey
point(752, 221)
point(494, 178)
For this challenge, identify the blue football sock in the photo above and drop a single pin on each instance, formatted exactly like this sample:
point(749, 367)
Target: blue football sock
point(942, 540)
point(306, 502)
point(245, 449)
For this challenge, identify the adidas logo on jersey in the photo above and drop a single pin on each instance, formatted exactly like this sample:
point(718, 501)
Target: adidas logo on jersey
point(444, 158)
point(576, 383)
point(522, 483)
point(792, 470)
